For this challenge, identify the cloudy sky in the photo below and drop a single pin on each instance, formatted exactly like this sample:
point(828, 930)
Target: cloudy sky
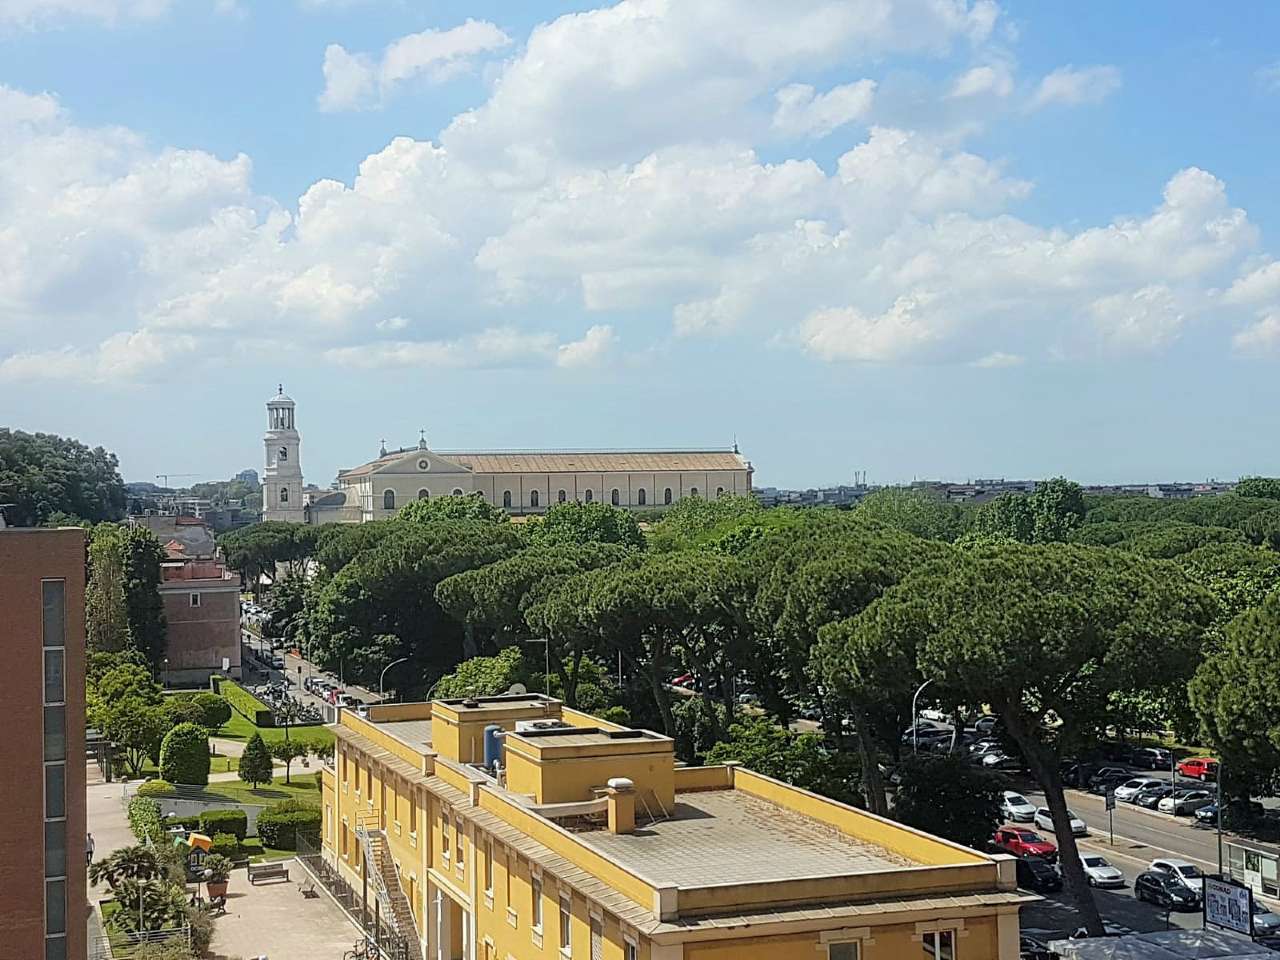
point(912, 237)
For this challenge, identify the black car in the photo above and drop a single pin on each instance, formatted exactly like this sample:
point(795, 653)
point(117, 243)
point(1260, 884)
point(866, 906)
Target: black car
point(1164, 890)
point(1035, 873)
point(1029, 948)
point(1101, 784)
point(1150, 797)
point(1207, 815)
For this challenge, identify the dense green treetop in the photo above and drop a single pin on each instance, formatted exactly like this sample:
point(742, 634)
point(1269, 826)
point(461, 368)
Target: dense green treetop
point(471, 506)
point(800, 759)
point(1050, 514)
point(142, 556)
point(575, 523)
point(915, 511)
point(256, 550)
point(1174, 538)
point(695, 520)
point(43, 475)
point(1267, 488)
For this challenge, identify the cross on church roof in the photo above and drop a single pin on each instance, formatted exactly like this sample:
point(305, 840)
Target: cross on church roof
point(422, 439)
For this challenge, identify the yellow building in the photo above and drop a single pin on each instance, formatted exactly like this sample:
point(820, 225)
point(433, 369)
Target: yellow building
point(587, 841)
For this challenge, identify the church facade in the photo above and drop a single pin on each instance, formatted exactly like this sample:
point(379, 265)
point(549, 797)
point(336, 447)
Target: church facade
point(527, 482)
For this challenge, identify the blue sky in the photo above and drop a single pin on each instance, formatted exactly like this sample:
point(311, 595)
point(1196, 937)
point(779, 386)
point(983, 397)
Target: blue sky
point(932, 238)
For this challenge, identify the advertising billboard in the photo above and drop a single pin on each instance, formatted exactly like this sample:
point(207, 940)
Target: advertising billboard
point(1228, 905)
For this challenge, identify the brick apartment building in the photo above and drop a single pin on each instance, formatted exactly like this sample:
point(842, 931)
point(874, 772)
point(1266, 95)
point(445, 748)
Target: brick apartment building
point(42, 872)
point(202, 611)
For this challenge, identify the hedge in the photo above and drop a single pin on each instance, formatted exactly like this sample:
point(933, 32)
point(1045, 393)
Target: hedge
point(226, 844)
point(243, 702)
point(144, 817)
point(215, 708)
point(155, 788)
point(184, 755)
point(225, 821)
point(280, 824)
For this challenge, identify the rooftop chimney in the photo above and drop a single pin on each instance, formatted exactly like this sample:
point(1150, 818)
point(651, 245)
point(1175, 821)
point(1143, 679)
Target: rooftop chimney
point(621, 799)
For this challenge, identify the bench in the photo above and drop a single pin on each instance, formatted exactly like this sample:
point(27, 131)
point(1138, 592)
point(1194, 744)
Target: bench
point(308, 890)
point(267, 871)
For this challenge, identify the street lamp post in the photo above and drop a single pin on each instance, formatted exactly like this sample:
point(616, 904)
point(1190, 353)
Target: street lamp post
point(915, 717)
point(382, 690)
point(546, 650)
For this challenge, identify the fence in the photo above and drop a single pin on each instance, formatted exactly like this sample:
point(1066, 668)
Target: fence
point(358, 904)
point(121, 946)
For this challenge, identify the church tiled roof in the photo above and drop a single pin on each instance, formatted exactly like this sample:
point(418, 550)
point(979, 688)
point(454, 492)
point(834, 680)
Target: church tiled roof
point(572, 461)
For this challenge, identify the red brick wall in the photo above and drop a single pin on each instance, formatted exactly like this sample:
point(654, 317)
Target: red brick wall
point(27, 557)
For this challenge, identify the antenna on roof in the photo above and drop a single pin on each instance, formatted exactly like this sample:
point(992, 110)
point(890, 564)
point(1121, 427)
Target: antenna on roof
point(735, 444)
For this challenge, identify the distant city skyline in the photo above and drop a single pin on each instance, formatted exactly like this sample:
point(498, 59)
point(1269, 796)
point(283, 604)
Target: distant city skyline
point(962, 238)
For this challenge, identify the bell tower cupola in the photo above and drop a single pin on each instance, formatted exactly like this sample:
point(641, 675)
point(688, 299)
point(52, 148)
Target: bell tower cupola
point(282, 478)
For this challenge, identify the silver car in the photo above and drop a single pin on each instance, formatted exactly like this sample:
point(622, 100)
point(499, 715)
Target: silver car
point(1099, 873)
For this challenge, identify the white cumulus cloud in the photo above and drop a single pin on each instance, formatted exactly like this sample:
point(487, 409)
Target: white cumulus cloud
point(1072, 86)
point(804, 112)
point(354, 81)
point(994, 80)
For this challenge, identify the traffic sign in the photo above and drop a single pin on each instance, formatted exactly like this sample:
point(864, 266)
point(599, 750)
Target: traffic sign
point(1111, 798)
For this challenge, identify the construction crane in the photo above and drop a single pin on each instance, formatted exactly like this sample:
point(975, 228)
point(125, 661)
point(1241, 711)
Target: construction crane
point(165, 477)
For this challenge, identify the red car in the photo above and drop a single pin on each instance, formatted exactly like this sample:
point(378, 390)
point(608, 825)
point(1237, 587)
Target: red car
point(1025, 843)
point(1199, 768)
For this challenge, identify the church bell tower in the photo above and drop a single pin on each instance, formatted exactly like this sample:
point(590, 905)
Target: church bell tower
point(282, 479)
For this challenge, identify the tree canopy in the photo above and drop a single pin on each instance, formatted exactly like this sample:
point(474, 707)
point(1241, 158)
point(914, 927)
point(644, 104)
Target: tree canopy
point(44, 476)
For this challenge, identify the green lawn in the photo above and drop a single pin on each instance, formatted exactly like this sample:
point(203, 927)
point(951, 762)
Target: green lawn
point(303, 788)
point(253, 849)
point(239, 728)
point(217, 764)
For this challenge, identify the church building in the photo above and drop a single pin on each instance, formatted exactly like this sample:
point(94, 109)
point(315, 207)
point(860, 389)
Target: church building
point(521, 482)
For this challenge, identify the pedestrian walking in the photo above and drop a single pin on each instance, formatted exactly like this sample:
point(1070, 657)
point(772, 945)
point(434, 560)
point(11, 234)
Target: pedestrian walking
point(88, 850)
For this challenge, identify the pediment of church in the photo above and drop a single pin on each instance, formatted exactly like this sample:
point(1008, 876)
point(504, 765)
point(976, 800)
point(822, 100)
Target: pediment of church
point(419, 462)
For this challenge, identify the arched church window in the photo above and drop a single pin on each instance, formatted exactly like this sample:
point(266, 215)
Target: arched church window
point(284, 494)
point(457, 491)
point(561, 496)
point(719, 492)
point(284, 453)
point(614, 498)
point(640, 496)
point(533, 498)
point(506, 498)
point(423, 494)
point(693, 491)
point(587, 497)
point(388, 500)
point(666, 495)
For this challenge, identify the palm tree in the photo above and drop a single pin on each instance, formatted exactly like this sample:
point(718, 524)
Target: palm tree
point(128, 863)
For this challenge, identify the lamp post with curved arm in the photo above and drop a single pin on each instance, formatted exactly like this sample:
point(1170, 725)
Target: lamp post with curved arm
point(381, 690)
point(915, 717)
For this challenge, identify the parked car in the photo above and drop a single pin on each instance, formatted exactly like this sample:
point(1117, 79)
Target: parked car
point(1184, 802)
point(1151, 796)
point(1152, 758)
point(983, 747)
point(1199, 768)
point(986, 724)
point(684, 680)
point(1039, 875)
point(1025, 843)
point(1164, 891)
point(1108, 773)
point(1016, 807)
point(1266, 922)
point(1044, 820)
point(1207, 815)
point(277, 661)
point(1188, 874)
point(1001, 761)
point(1099, 873)
point(1101, 785)
point(1128, 791)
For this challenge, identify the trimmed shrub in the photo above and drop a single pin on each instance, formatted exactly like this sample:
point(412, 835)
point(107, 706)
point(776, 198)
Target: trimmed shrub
point(184, 755)
point(226, 844)
point(155, 788)
point(245, 703)
point(216, 709)
point(213, 822)
point(144, 817)
point(280, 824)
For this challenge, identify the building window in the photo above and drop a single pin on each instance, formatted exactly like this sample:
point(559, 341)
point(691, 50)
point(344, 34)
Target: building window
point(284, 494)
point(940, 945)
point(631, 951)
point(55, 906)
point(444, 832)
point(614, 497)
point(719, 492)
point(457, 491)
point(424, 494)
point(194, 599)
point(535, 887)
point(388, 500)
point(587, 496)
point(506, 498)
point(284, 453)
point(566, 933)
point(666, 496)
point(561, 496)
point(55, 948)
point(458, 839)
point(55, 618)
point(693, 491)
point(413, 814)
point(843, 951)
point(55, 848)
point(488, 868)
point(510, 864)
point(55, 791)
point(55, 733)
point(533, 498)
point(53, 680)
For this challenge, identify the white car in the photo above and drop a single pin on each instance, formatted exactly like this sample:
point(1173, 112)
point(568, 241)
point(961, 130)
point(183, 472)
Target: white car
point(1185, 801)
point(1099, 873)
point(1188, 873)
point(1016, 807)
point(1128, 790)
point(1044, 820)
